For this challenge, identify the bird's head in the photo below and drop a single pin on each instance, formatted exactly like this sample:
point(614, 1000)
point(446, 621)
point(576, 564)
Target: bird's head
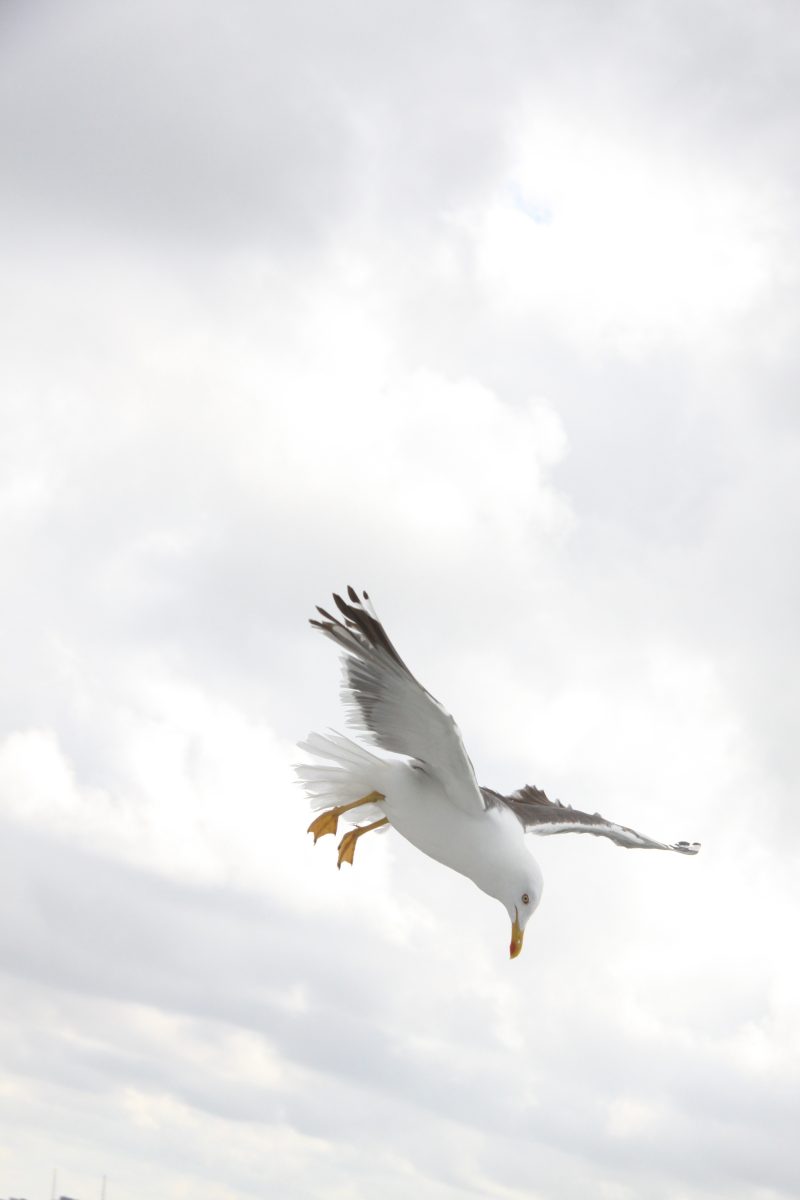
point(521, 899)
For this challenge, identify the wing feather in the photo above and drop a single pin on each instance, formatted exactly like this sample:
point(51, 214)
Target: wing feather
point(390, 707)
point(537, 814)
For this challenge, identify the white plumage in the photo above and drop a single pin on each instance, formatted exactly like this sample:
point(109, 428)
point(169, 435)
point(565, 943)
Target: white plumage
point(427, 790)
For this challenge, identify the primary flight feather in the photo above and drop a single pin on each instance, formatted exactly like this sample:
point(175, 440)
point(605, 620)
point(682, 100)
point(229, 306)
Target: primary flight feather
point(428, 792)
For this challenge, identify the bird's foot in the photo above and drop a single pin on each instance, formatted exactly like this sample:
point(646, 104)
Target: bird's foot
point(326, 822)
point(347, 847)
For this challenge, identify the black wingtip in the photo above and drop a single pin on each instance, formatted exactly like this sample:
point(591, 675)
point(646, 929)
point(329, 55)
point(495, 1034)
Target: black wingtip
point(353, 594)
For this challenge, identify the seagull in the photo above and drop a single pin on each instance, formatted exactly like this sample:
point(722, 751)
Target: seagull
point(427, 791)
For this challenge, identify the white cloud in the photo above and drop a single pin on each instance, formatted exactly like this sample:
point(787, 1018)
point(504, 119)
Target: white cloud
point(615, 243)
point(491, 314)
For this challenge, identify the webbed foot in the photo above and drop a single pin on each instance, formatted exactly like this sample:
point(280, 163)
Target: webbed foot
point(347, 846)
point(326, 822)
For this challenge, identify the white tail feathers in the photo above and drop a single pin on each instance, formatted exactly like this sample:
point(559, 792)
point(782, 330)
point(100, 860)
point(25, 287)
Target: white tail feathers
point(343, 772)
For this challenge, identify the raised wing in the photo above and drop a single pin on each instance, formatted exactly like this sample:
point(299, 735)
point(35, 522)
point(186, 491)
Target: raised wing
point(389, 706)
point(539, 815)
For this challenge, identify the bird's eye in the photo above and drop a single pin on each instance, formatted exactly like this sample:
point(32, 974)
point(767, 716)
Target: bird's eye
point(526, 898)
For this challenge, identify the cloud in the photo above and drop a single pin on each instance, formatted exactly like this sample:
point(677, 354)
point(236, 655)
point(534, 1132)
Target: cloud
point(492, 313)
point(586, 268)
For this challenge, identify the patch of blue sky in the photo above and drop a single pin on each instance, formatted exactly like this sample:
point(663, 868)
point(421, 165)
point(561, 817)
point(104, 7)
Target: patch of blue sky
point(538, 210)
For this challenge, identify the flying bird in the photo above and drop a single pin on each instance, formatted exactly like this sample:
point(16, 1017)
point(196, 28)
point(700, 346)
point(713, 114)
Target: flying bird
point(428, 791)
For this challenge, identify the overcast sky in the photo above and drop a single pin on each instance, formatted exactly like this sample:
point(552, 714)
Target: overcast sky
point(492, 309)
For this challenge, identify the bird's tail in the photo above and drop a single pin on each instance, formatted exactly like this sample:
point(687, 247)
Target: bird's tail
point(342, 772)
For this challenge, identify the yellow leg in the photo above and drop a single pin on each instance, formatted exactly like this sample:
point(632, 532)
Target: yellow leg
point(347, 846)
point(328, 821)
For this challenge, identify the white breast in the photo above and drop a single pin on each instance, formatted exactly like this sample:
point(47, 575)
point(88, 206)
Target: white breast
point(485, 847)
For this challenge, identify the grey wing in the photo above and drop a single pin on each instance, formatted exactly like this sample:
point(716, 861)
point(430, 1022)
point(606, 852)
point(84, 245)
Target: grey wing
point(389, 706)
point(537, 814)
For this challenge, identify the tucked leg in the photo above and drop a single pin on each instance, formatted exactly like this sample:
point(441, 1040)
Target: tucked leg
point(347, 846)
point(327, 822)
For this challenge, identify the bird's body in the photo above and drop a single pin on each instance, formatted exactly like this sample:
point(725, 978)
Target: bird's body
point(427, 791)
point(486, 846)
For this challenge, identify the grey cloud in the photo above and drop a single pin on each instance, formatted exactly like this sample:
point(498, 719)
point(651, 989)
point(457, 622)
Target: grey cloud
point(259, 121)
point(283, 123)
point(204, 196)
point(158, 123)
point(117, 934)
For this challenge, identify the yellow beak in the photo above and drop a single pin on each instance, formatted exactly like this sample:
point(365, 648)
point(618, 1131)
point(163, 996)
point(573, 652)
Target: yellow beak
point(517, 935)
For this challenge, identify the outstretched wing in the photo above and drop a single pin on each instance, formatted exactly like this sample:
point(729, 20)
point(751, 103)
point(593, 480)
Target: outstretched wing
point(389, 706)
point(539, 815)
